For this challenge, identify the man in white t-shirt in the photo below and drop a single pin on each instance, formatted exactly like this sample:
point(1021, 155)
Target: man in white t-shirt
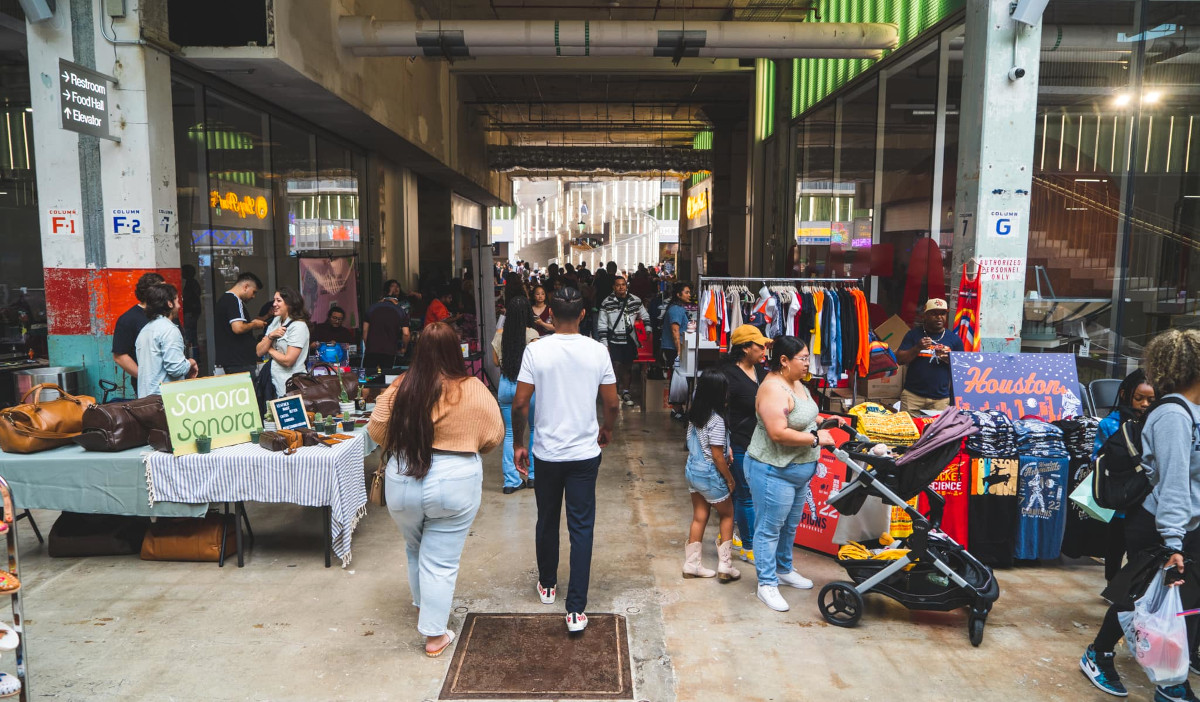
point(566, 369)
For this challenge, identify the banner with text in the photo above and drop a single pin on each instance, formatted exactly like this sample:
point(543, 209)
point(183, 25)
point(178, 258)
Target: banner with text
point(223, 408)
point(1022, 384)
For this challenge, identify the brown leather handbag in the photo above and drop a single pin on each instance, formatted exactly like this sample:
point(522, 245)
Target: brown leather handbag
point(118, 426)
point(322, 393)
point(188, 539)
point(42, 424)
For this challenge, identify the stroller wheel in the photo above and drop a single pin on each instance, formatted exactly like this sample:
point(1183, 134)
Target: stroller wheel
point(840, 604)
point(975, 629)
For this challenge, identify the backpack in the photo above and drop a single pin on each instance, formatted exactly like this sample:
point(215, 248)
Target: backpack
point(1120, 481)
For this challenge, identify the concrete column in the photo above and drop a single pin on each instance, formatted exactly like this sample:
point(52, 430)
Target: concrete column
point(728, 253)
point(91, 265)
point(995, 160)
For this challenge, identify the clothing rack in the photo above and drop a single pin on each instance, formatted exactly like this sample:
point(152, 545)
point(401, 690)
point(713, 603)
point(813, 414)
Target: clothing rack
point(708, 281)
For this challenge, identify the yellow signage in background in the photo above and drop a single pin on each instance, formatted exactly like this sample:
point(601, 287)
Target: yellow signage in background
point(697, 204)
point(239, 206)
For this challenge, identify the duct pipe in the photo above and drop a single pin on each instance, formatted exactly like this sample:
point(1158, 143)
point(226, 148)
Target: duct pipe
point(582, 38)
point(724, 52)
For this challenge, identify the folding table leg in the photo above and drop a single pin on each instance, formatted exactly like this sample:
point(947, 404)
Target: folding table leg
point(246, 518)
point(224, 536)
point(33, 525)
point(327, 513)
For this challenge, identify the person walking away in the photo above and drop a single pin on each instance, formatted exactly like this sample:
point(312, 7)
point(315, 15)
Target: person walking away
point(926, 351)
point(508, 348)
point(129, 326)
point(385, 331)
point(233, 329)
point(642, 284)
point(745, 372)
point(160, 343)
point(780, 462)
point(709, 481)
point(566, 369)
point(1170, 514)
point(286, 340)
point(543, 316)
point(614, 327)
point(672, 336)
point(433, 473)
point(1134, 397)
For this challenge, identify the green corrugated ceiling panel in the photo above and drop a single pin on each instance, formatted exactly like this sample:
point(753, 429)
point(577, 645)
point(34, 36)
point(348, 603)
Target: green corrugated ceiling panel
point(814, 79)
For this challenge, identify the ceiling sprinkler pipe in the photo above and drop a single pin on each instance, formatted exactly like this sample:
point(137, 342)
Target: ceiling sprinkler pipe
point(724, 52)
point(519, 37)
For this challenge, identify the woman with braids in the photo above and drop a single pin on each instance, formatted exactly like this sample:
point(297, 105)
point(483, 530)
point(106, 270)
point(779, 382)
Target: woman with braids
point(1134, 397)
point(433, 422)
point(508, 347)
point(1170, 514)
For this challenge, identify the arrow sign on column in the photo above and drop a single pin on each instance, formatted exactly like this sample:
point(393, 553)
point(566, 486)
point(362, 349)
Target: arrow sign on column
point(84, 99)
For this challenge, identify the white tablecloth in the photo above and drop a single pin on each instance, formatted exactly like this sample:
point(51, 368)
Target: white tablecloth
point(315, 476)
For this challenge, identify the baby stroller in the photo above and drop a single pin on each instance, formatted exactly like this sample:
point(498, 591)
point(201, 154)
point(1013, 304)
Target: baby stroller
point(937, 574)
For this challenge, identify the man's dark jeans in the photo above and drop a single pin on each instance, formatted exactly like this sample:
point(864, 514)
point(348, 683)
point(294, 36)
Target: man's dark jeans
point(576, 480)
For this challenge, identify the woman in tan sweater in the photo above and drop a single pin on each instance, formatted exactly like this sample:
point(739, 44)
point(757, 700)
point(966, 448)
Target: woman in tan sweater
point(434, 477)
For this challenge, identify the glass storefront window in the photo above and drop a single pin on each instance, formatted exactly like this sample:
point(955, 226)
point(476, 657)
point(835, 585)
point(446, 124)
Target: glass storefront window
point(856, 178)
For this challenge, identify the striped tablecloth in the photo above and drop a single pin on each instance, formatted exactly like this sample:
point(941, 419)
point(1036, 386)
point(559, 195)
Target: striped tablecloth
point(315, 476)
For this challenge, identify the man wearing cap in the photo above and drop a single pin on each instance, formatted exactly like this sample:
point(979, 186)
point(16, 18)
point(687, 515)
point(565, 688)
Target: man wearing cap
point(926, 351)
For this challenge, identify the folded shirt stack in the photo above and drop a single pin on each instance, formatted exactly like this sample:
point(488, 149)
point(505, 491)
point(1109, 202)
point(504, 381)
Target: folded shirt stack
point(1039, 439)
point(885, 427)
point(997, 438)
point(1079, 435)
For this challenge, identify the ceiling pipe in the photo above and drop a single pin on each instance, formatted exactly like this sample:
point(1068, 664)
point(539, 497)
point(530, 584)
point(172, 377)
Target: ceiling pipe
point(366, 36)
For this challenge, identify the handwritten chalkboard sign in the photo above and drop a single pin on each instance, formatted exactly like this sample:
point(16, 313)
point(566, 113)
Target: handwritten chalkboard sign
point(289, 412)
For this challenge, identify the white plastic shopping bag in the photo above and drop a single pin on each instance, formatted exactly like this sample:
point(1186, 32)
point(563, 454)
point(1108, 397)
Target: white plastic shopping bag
point(1157, 635)
point(679, 387)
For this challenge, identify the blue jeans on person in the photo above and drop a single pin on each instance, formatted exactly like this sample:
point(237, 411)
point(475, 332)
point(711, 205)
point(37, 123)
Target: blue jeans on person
point(743, 499)
point(505, 394)
point(779, 495)
point(576, 482)
point(434, 515)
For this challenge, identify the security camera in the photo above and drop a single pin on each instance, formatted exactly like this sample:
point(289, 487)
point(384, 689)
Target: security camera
point(1029, 12)
point(1016, 73)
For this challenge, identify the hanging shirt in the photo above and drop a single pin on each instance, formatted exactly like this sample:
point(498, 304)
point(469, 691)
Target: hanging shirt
point(1042, 494)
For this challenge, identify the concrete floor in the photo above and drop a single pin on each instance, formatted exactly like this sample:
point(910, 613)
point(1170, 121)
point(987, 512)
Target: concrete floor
point(286, 628)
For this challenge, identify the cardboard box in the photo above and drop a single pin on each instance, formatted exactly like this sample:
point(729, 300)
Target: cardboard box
point(892, 332)
point(885, 388)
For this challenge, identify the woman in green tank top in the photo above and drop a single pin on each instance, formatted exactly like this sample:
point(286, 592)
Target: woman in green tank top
point(780, 462)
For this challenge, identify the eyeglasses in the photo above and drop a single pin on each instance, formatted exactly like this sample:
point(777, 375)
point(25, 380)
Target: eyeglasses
point(800, 359)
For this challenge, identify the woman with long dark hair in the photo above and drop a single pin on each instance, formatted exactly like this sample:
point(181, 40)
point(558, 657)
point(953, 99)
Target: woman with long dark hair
point(543, 316)
point(780, 462)
point(433, 422)
point(676, 317)
point(745, 372)
point(709, 480)
point(508, 347)
point(286, 340)
point(1134, 397)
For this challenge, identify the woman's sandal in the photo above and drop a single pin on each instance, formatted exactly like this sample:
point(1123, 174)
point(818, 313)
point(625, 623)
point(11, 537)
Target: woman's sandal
point(440, 651)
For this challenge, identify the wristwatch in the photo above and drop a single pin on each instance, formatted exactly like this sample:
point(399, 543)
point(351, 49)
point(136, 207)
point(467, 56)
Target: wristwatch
point(816, 440)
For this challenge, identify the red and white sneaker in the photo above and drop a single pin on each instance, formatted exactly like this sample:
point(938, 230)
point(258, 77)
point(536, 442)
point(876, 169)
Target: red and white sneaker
point(546, 593)
point(576, 622)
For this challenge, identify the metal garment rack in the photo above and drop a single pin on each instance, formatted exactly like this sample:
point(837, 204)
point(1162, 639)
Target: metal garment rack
point(18, 610)
point(706, 281)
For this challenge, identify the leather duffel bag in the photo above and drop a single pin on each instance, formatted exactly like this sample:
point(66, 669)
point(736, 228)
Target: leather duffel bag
point(188, 539)
point(118, 426)
point(323, 393)
point(42, 424)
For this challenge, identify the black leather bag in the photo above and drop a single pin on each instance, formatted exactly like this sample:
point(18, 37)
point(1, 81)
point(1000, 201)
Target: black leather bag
point(118, 426)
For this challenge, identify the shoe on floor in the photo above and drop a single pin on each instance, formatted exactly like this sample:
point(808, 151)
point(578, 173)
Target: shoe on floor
point(737, 541)
point(9, 638)
point(1194, 666)
point(576, 622)
point(10, 685)
point(546, 593)
point(769, 594)
point(627, 399)
point(508, 489)
point(794, 579)
point(1174, 693)
point(1099, 668)
point(746, 555)
point(529, 483)
point(439, 651)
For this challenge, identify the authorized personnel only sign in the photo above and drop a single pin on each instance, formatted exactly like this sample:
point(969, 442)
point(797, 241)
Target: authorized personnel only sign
point(84, 94)
point(1001, 269)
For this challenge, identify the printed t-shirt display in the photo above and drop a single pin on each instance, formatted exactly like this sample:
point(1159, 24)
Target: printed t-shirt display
point(565, 369)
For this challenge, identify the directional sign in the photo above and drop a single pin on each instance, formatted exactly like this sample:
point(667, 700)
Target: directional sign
point(84, 94)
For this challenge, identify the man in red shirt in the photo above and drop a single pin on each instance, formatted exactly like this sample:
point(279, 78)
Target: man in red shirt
point(439, 309)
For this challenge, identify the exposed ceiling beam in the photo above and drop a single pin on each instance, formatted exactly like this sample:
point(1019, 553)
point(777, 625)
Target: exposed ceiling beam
point(569, 65)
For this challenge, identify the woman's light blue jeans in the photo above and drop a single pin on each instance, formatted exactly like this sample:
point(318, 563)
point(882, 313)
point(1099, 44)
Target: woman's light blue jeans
point(505, 394)
point(743, 498)
point(434, 515)
point(779, 495)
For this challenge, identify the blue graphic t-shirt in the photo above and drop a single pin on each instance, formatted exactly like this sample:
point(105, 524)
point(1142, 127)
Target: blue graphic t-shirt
point(1042, 493)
